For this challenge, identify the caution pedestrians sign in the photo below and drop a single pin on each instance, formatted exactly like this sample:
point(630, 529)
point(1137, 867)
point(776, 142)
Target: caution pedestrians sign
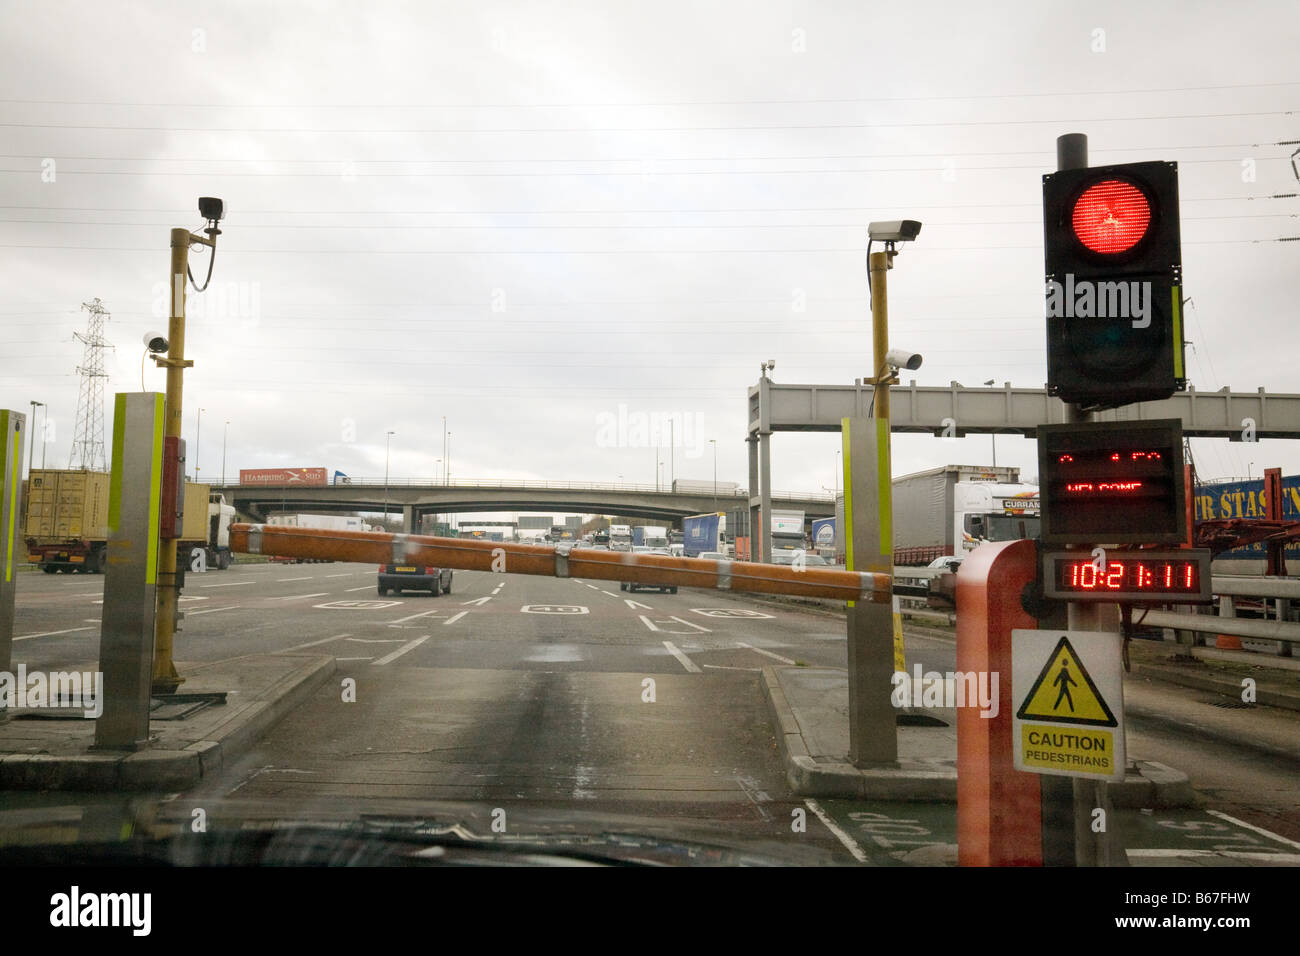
point(1068, 690)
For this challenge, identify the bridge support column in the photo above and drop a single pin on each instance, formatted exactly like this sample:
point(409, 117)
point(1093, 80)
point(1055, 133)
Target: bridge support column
point(755, 501)
point(408, 519)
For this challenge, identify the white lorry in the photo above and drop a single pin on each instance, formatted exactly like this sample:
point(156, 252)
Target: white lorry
point(620, 537)
point(950, 510)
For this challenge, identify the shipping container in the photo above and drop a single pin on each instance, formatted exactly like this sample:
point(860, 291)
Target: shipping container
point(66, 523)
point(311, 477)
point(67, 505)
point(1225, 500)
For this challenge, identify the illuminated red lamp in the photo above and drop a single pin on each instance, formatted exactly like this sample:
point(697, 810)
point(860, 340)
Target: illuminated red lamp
point(1111, 216)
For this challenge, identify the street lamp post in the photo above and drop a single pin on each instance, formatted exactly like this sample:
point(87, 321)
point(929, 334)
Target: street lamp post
point(45, 421)
point(224, 435)
point(714, 443)
point(993, 436)
point(31, 445)
point(198, 437)
point(388, 437)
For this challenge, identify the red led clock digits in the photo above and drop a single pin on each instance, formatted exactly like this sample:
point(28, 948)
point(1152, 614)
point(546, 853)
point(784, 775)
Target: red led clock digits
point(1166, 576)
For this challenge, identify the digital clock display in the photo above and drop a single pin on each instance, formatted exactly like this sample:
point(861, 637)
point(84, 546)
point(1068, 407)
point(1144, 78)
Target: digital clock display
point(1129, 576)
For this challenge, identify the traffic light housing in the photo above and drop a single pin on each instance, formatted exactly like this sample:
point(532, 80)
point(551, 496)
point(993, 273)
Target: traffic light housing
point(1113, 263)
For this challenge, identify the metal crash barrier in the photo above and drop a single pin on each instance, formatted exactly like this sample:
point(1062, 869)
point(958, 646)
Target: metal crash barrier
point(564, 561)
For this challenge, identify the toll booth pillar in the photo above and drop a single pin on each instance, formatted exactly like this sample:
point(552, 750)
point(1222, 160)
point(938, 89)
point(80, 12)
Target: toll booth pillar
point(13, 547)
point(126, 643)
point(999, 808)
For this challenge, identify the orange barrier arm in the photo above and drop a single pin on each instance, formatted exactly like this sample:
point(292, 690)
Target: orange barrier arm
point(651, 570)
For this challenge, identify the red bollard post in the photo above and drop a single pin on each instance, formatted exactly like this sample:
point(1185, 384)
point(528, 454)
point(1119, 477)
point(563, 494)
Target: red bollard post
point(999, 808)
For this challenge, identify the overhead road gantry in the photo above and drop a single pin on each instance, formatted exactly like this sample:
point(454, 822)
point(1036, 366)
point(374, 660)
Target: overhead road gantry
point(958, 410)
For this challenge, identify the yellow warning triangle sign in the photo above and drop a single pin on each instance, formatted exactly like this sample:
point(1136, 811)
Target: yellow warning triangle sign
point(1064, 693)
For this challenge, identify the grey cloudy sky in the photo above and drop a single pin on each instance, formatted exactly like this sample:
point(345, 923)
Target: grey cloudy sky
point(535, 218)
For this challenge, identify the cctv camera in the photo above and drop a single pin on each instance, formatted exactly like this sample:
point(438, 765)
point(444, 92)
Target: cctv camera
point(900, 358)
point(155, 342)
point(897, 230)
point(212, 209)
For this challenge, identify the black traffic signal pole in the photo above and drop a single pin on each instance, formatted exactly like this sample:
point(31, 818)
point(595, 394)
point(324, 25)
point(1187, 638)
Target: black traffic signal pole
point(1067, 837)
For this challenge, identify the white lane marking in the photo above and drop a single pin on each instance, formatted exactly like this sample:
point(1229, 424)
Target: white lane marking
point(647, 622)
point(412, 617)
point(298, 647)
point(354, 658)
point(294, 597)
point(756, 794)
point(689, 624)
point(849, 843)
point(28, 637)
point(1285, 858)
point(635, 604)
point(364, 587)
point(724, 667)
point(376, 640)
point(455, 617)
point(682, 658)
point(345, 574)
point(482, 600)
point(287, 580)
point(759, 650)
point(209, 610)
point(1250, 826)
point(410, 646)
point(228, 584)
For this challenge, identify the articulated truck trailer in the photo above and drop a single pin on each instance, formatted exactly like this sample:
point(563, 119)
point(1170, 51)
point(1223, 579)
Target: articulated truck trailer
point(66, 524)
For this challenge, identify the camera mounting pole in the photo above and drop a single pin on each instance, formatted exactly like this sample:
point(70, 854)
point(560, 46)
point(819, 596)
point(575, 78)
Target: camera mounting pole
point(165, 678)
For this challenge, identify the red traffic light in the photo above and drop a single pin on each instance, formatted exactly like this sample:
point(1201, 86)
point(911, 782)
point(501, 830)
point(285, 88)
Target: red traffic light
point(1111, 216)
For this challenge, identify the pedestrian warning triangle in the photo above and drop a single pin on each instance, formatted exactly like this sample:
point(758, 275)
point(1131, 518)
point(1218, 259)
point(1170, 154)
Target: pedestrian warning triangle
point(1064, 693)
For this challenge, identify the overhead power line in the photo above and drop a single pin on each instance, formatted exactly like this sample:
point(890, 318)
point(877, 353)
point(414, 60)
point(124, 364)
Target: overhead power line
point(650, 104)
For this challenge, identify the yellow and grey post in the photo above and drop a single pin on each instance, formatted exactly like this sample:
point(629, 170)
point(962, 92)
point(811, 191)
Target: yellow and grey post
point(165, 678)
point(13, 428)
point(126, 642)
point(877, 266)
point(868, 540)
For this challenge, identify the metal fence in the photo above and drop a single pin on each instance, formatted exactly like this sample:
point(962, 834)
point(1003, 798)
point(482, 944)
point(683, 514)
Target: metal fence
point(723, 492)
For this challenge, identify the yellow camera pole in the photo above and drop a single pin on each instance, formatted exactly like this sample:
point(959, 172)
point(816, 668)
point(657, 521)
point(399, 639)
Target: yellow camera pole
point(165, 678)
point(877, 266)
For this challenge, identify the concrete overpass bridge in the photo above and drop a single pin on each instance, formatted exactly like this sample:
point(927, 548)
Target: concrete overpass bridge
point(414, 498)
